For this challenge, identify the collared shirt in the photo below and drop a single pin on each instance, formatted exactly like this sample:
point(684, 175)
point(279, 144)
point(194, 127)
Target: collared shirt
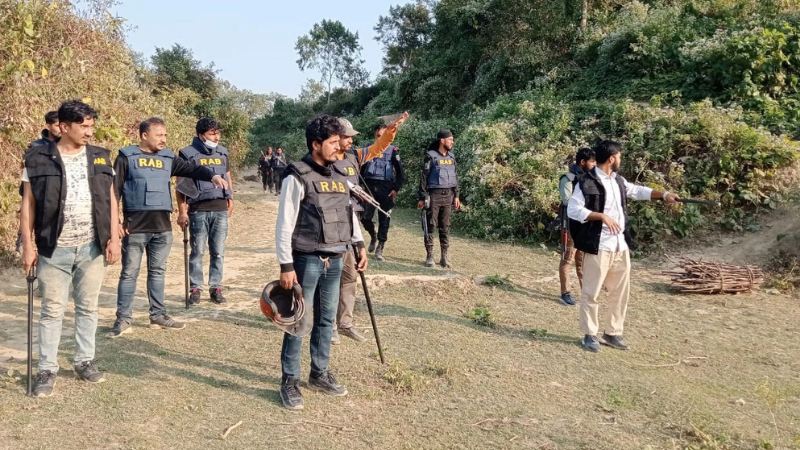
point(577, 210)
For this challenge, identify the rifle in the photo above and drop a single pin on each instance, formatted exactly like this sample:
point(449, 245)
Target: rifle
point(424, 216)
point(359, 192)
point(564, 232)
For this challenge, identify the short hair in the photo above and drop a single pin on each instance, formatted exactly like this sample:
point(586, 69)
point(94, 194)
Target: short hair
point(605, 150)
point(380, 126)
point(207, 124)
point(51, 117)
point(584, 154)
point(75, 111)
point(144, 127)
point(321, 128)
point(279, 148)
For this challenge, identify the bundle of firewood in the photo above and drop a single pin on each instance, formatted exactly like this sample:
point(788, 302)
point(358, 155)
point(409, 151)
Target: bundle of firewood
point(705, 277)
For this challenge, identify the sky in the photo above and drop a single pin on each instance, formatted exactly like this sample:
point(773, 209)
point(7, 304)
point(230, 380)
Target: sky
point(251, 42)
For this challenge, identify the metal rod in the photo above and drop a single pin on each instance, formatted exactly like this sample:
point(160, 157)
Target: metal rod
point(31, 278)
point(186, 266)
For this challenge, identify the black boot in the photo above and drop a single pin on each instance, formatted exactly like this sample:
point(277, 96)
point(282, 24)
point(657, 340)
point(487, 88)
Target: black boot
point(445, 262)
point(379, 251)
point(371, 243)
point(429, 262)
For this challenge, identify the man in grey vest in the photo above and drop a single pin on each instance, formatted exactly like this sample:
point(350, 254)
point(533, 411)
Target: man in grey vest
point(316, 227)
point(142, 181)
point(207, 214)
point(439, 188)
point(384, 177)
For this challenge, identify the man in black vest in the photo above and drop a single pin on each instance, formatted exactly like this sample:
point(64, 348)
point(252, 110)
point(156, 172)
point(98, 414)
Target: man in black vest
point(265, 167)
point(279, 164)
point(384, 177)
point(68, 216)
point(584, 162)
point(142, 182)
point(439, 186)
point(207, 214)
point(52, 132)
point(316, 227)
point(598, 211)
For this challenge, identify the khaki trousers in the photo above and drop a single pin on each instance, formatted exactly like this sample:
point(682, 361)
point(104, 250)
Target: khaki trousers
point(612, 270)
point(347, 291)
point(572, 254)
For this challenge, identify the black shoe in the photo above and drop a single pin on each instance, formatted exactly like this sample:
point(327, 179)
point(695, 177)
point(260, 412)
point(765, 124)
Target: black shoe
point(216, 296)
point(429, 262)
point(590, 343)
point(371, 245)
point(326, 383)
point(194, 297)
point(613, 341)
point(291, 397)
point(120, 327)
point(87, 371)
point(44, 383)
point(379, 251)
point(166, 322)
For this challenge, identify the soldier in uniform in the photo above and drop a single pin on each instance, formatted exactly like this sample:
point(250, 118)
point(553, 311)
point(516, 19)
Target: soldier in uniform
point(207, 214)
point(439, 186)
point(384, 177)
point(142, 181)
point(316, 228)
point(278, 163)
point(265, 168)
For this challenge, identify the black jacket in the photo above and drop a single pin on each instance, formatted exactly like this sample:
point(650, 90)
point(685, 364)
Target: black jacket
point(49, 186)
point(45, 140)
point(587, 235)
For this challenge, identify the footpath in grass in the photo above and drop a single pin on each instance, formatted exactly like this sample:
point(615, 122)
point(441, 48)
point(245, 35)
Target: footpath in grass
point(481, 356)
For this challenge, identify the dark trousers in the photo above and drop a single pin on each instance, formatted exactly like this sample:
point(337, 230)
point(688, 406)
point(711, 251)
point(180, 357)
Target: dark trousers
point(276, 179)
point(439, 215)
point(381, 191)
point(266, 179)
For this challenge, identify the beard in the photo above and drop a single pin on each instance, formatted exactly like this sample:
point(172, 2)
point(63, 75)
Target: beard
point(615, 166)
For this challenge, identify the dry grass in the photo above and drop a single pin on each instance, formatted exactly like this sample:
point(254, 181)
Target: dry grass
point(450, 383)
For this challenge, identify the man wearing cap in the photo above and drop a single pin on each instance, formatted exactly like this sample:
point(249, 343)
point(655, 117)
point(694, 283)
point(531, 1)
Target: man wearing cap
point(439, 185)
point(316, 228)
point(350, 162)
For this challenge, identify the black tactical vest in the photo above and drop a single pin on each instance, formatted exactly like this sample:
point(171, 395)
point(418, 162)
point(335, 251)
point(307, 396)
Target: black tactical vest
point(349, 166)
point(443, 171)
point(587, 235)
point(325, 222)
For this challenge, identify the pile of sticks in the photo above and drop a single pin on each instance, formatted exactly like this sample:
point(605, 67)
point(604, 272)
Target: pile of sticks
point(703, 277)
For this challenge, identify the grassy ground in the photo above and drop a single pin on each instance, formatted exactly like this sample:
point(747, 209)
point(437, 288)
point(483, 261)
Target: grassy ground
point(703, 372)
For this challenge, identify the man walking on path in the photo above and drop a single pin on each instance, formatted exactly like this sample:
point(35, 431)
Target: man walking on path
point(384, 178)
point(439, 186)
point(265, 168)
point(207, 214)
point(316, 227)
point(584, 162)
point(278, 164)
point(350, 161)
point(142, 182)
point(69, 215)
point(599, 226)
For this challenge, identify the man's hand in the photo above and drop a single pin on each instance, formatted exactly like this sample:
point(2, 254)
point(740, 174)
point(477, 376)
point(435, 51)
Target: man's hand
point(393, 194)
point(457, 203)
point(230, 207)
point(420, 204)
point(113, 251)
point(123, 231)
point(29, 259)
point(363, 261)
point(399, 120)
point(183, 220)
point(219, 182)
point(288, 279)
point(671, 198)
point(612, 224)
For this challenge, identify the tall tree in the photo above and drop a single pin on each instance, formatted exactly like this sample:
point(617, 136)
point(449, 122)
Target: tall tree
point(177, 66)
point(333, 50)
point(404, 33)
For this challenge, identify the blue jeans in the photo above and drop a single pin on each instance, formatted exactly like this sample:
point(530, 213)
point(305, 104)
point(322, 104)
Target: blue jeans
point(211, 226)
point(157, 246)
point(322, 286)
point(85, 268)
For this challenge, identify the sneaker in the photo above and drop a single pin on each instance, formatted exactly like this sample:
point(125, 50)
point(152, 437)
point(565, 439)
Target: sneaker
point(120, 327)
point(291, 397)
point(352, 334)
point(87, 371)
point(194, 297)
point(216, 296)
point(590, 343)
point(335, 339)
point(44, 383)
point(166, 322)
point(613, 341)
point(567, 299)
point(326, 383)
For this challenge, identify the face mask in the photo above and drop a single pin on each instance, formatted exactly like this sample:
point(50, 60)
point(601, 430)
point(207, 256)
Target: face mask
point(210, 144)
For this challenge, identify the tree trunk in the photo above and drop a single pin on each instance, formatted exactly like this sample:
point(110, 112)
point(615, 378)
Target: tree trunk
point(584, 14)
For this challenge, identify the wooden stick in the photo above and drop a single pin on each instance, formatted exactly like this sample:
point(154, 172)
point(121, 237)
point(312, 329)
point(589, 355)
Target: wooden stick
point(229, 429)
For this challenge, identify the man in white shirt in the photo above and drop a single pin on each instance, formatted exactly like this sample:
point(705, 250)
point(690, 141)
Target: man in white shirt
point(598, 209)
